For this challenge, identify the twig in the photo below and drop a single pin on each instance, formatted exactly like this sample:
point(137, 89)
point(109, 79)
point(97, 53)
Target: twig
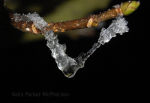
point(87, 22)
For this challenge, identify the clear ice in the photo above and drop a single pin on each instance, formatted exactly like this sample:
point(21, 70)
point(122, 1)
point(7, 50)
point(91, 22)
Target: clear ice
point(39, 22)
point(69, 66)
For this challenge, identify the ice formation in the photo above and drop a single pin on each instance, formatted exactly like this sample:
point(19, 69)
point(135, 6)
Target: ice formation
point(118, 26)
point(65, 63)
point(69, 66)
point(39, 22)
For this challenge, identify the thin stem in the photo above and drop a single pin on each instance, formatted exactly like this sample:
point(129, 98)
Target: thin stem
point(87, 22)
point(124, 8)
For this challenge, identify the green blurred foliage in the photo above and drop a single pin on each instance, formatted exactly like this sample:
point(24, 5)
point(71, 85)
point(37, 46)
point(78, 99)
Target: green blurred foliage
point(56, 10)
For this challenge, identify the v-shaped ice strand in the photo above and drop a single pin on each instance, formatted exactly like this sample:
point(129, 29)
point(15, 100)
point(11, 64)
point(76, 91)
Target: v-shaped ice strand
point(69, 66)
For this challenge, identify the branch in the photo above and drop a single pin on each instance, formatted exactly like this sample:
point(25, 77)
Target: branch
point(87, 22)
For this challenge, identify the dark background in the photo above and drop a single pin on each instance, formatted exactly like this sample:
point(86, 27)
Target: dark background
point(29, 69)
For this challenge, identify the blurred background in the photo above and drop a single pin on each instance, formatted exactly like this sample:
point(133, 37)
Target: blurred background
point(27, 63)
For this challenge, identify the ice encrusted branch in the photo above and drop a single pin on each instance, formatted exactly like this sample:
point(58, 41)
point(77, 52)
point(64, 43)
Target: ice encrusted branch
point(69, 66)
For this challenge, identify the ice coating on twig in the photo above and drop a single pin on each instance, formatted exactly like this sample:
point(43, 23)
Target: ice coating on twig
point(18, 17)
point(39, 22)
point(69, 66)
